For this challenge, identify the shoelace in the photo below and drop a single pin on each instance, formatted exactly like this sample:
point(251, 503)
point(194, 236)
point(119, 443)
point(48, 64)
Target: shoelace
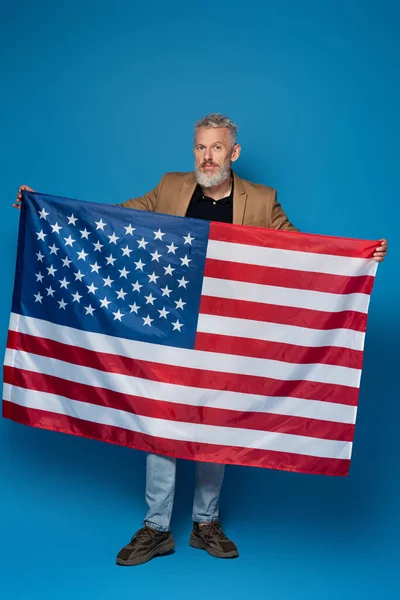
point(145, 532)
point(215, 527)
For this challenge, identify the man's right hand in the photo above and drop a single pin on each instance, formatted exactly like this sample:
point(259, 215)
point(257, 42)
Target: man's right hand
point(18, 199)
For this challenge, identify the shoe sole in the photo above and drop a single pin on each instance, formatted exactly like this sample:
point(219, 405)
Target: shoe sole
point(161, 550)
point(196, 543)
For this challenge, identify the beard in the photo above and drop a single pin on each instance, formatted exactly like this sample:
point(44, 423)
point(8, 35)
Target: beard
point(210, 179)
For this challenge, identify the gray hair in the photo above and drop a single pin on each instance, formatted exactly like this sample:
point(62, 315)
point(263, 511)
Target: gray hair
point(218, 120)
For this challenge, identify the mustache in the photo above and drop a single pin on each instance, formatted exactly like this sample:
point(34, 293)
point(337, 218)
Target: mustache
point(208, 163)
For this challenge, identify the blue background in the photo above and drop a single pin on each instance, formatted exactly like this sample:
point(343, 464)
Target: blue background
point(97, 102)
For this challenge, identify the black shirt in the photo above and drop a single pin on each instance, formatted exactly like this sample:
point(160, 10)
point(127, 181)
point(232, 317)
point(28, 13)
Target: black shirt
point(202, 207)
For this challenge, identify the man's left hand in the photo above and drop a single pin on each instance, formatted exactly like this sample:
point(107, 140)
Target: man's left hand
point(381, 251)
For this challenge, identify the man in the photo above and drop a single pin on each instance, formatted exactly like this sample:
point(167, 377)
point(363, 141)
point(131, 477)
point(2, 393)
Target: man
point(213, 192)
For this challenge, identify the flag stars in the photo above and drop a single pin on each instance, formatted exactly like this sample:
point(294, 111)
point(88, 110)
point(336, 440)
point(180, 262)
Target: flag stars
point(121, 294)
point(158, 235)
point(89, 309)
point(123, 273)
point(153, 277)
point(134, 308)
point(100, 224)
point(38, 297)
point(78, 276)
point(66, 262)
point(41, 235)
point(168, 270)
point(82, 255)
point(126, 251)
point(166, 291)
point(50, 291)
point(136, 286)
point(172, 248)
point(97, 246)
point(182, 282)
point(118, 315)
point(113, 239)
point(185, 261)
point(147, 321)
point(43, 214)
point(104, 303)
point(69, 241)
point(61, 304)
point(91, 288)
point(39, 276)
point(40, 256)
point(188, 239)
point(55, 228)
point(163, 313)
point(64, 283)
point(129, 229)
point(150, 299)
point(95, 268)
point(53, 249)
point(155, 256)
point(110, 260)
point(76, 297)
point(139, 265)
point(51, 270)
point(142, 243)
point(84, 234)
point(179, 303)
point(72, 219)
point(177, 325)
point(108, 281)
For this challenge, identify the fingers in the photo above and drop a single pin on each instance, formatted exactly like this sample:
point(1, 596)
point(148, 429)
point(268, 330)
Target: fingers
point(381, 251)
point(18, 198)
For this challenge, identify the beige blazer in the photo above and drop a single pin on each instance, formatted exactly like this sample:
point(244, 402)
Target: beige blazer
point(253, 204)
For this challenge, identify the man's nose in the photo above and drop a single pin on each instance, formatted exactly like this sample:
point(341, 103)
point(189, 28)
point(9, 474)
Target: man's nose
point(208, 154)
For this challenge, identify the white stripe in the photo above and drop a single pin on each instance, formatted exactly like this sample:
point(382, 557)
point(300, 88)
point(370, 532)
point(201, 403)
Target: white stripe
point(194, 359)
point(179, 394)
point(277, 332)
point(174, 430)
point(291, 259)
point(272, 294)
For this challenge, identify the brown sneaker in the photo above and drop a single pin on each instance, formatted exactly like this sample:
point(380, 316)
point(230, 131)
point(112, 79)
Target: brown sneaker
point(145, 544)
point(211, 537)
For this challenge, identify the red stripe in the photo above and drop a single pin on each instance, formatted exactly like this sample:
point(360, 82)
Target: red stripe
point(195, 451)
point(284, 315)
point(182, 375)
point(184, 413)
point(329, 355)
point(290, 240)
point(288, 278)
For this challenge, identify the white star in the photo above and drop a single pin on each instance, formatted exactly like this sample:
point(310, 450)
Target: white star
point(41, 235)
point(171, 248)
point(118, 315)
point(85, 234)
point(95, 268)
point(129, 230)
point(66, 262)
point(91, 288)
point(168, 270)
point(38, 297)
point(113, 238)
point(51, 270)
point(126, 251)
point(166, 291)
point(136, 286)
point(182, 282)
point(134, 307)
point(98, 246)
point(100, 224)
point(188, 239)
point(39, 276)
point(62, 304)
point(185, 261)
point(55, 228)
point(40, 256)
point(140, 265)
point(89, 309)
point(121, 294)
point(155, 256)
point(179, 303)
point(147, 320)
point(50, 291)
point(64, 283)
point(123, 272)
point(82, 255)
point(110, 260)
point(150, 299)
point(158, 235)
point(177, 325)
point(72, 220)
point(53, 249)
point(108, 281)
point(78, 275)
point(104, 303)
point(76, 297)
point(163, 313)
point(43, 214)
point(153, 277)
point(69, 241)
point(142, 243)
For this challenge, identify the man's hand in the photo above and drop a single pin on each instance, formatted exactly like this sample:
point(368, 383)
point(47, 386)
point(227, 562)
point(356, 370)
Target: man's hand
point(381, 251)
point(18, 199)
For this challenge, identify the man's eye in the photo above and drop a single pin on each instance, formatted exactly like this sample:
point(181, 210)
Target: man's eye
point(218, 147)
point(199, 147)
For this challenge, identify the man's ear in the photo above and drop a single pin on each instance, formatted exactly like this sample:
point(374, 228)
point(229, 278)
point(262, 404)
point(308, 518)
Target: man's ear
point(236, 152)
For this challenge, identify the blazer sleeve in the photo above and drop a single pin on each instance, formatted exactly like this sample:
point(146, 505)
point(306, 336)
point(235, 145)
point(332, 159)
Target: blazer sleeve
point(278, 218)
point(146, 202)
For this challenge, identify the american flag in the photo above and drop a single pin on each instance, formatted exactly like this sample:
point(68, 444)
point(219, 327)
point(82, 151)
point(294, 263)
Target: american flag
point(198, 340)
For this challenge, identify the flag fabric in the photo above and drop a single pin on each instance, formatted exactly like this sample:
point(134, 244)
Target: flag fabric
point(198, 340)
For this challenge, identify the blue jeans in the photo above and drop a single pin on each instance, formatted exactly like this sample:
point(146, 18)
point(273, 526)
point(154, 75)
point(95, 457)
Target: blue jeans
point(160, 490)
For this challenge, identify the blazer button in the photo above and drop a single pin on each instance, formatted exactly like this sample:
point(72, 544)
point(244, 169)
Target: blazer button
point(214, 203)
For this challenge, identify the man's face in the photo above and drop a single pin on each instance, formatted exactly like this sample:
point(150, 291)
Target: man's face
point(213, 155)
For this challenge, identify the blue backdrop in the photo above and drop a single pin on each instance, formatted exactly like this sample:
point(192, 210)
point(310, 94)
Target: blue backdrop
point(97, 102)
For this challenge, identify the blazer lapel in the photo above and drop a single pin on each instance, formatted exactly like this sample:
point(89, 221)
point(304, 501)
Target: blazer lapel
point(186, 194)
point(239, 200)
